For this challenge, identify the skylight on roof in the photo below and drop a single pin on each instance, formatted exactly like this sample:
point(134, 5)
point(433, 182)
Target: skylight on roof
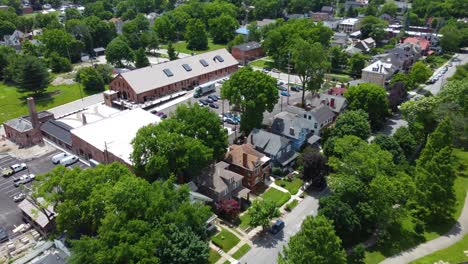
point(204, 63)
point(219, 58)
point(187, 67)
point(168, 72)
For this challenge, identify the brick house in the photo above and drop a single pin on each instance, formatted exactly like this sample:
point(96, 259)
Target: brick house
point(156, 81)
point(247, 52)
point(248, 162)
point(423, 43)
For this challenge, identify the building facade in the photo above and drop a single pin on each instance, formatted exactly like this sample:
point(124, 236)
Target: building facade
point(247, 52)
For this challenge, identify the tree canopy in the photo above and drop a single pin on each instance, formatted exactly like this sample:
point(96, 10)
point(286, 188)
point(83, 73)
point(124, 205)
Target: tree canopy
point(262, 212)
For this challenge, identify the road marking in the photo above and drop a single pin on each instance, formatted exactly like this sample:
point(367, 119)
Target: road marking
point(7, 160)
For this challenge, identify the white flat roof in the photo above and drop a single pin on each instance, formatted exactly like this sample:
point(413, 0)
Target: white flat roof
point(93, 113)
point(350, 21)
point(116, 132)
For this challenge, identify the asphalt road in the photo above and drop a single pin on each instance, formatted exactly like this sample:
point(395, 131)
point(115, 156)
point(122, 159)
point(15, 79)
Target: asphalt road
point(10, 215)
point(266, 247)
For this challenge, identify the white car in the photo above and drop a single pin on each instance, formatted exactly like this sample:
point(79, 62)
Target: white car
point(19, 197)
point(24, 177)
point(18, 167)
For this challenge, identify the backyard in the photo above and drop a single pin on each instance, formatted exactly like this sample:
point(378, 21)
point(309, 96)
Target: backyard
point(13, 102)
point(225, 240)
point(181, 47)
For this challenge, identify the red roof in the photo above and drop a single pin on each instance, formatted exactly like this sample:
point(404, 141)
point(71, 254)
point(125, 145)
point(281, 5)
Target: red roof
point(422, 42)
point(338, 91)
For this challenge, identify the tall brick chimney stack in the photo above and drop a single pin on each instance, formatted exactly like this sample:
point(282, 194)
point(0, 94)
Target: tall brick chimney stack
point(33, 113)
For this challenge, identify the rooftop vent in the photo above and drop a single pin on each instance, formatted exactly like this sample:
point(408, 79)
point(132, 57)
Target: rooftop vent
point(204, 63)
point(168, 72)
point(187, 67)
point(218, 58)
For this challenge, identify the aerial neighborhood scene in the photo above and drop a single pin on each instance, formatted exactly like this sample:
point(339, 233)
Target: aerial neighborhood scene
point(229, 131)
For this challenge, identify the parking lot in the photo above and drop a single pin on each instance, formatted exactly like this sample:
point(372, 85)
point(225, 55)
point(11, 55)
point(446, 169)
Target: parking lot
point(10, 215)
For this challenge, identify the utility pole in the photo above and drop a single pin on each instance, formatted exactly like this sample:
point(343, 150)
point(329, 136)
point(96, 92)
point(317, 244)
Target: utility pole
point(289, 68)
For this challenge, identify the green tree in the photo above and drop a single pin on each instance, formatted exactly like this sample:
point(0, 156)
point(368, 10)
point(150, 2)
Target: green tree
point(6, 56)
point(262, 212)
point(91, 79)
point(140, 58)
point(338, 58)
point(420, 72)
point(357, 62)
point(373, 27)
point(59, 64)
point(254, 32)
point(239, 39)
point(72, 13)
point(315, 167)
point(118, 51)
point(354, 123)
point(223, 28)
point(196, 36)
point(171, 52)
point(6, 28)
point(406, 79)
point(159, 152)
point(310, 64)
point(372, 99)
point(357, 256)
point(164, 28)
point(254, 92)
point(451, 38)
point(29, 73)
point(420, 113)
point(25, 24)
point(316, 242)
point(406, 141)
point(63, 43)
point(391, 145)
point(389, 8)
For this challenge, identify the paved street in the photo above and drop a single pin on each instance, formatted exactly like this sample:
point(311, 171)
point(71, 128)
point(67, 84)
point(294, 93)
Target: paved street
point(266, 247)
point(10, 215)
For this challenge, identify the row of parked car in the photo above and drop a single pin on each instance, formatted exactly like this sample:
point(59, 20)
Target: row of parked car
point(210, 101)
point(230, 118)
point(64, 159)
point(438, 76)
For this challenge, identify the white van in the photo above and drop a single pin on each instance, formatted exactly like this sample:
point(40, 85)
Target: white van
point(57, 158)
point(68, 160)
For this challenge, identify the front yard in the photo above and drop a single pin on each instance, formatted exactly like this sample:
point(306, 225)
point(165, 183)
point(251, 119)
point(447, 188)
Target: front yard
point(276, 196)
point(225, 240)
point(292, 186)
point(241, 251)
point(214, 256)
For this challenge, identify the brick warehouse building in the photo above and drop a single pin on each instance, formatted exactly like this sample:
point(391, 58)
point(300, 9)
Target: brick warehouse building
point(248, 51)
point(155, 81)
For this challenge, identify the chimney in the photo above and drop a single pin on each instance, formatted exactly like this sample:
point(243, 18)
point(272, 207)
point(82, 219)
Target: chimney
point(332, 103)
point(291, 131)
point(83, 119)
point(33, 113)
point(381, 65)
point(244, 160)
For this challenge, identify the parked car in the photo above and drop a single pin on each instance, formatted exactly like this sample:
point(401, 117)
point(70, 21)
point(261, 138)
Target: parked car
point(282, 88)
point(280, 82)
point(277, 227)
point(214, 105)
point(20, 178)
point(19, 197)
point(265, 69)
point(296, 88)
point(209, 100)
point(26, 179)
point(3, 235)
point(162, 115)
point(275, 70)
point(285, 93)
point(231, 121)
point(57, 158)
point(69, 160)
point(18, 167)
point(203, 102)
point(213, 97)
point(7, 172)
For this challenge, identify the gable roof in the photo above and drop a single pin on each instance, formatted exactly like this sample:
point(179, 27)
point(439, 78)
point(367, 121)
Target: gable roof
point(236, 156)
point(216, 177)
point(58, 130)
point(152, 77)
point(325, 99)
point(421, 42)
point(267, 142)
point(322, 114)
point(289, 124)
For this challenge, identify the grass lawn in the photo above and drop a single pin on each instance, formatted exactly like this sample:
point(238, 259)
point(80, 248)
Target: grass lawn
point(262, 63)
point(225, 240)
point(276, 196)
point(241, 251)
point(181, 47)
point(338, 77)
point(292, 186)
point(244, 221)
point(432, 232)
point(214, 256)
point(435, 61)
point(291, 205)
point(452, 254)
point(13, 102)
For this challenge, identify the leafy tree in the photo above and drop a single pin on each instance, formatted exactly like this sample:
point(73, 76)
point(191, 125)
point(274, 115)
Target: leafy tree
point(254, 92)
point(140, 58)
point(397, 95)
point(315, 167)
point(373, 27)
point(25, 24)
point(351, 12)
point(266, 9)
point(239, 39)
point(370, 98)
point(6, 54)
point(254, 32)
point(196, 36)
point(345, 220)
point(391, 145)
point(357, 256)
point(407, 80)
point(420, 113)
point(27, 48)
point(316, 242)
point(112, 216)
point(164, 28)
point(105, 70)
point(118, 51)
point(310, 64)
point(29, 73)
point(229, 208)
point(59, 64)
point(262, 212)
point(389, 8)
point(91, 79)
point(223, 28)
point(159, 152)
point(420, 72)
point(171, 52)
point(338, 58)
point(354, 123)
point(63, 43)
point(72, 13)
point(406, 141)
point(202, 124)
point(101, 32)
point(357, 62)
point(451, 38)
point(6, 28)
point(152, 41)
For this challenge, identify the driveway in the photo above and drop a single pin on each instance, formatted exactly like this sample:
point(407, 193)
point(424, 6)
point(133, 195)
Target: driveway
point(266, 247)
point(458, 231)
